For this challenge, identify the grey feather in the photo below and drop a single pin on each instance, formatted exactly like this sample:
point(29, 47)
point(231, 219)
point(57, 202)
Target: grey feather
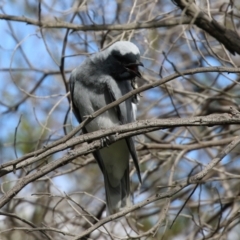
point(100, 80)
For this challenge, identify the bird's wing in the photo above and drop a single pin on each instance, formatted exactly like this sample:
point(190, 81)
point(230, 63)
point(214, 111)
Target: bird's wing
point(71, 86)
point(132, 150)
point(96, 154)
point(129, 140)
point(121, 119)
point(72, 81)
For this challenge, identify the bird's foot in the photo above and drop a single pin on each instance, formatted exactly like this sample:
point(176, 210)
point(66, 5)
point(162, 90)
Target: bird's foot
point(105, 141)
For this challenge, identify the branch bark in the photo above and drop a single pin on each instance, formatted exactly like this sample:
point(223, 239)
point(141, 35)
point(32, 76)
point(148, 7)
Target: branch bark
point(63, 140)
point(179, 186)
point(227, 37)
point(58, 23)
point(121, 132)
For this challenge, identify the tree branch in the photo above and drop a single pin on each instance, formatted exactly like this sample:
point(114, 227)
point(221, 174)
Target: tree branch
point(179, 186)
point(121, 132)
point(117, 102)
point(58, 23)
point(227, 37)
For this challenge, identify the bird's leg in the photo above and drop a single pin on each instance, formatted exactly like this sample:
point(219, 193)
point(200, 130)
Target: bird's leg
point(105, 141)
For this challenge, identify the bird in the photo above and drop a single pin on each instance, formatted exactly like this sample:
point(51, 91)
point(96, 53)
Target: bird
point(101, 79)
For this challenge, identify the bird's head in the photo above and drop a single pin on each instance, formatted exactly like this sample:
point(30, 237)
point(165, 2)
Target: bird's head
point(123, 59)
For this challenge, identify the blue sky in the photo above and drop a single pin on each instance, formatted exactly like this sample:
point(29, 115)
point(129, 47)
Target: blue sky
point(35, 110)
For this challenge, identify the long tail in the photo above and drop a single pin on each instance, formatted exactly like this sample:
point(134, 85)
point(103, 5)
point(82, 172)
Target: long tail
point(118, 196)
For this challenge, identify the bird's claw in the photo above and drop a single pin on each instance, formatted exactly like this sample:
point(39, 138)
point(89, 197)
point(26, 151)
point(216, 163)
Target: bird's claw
point(105, 141)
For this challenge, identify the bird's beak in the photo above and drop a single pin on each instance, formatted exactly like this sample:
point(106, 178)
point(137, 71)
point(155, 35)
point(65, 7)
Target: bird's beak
point(133, 67)
point(139, 63)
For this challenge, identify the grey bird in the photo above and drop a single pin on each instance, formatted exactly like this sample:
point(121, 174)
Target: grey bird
point(103, 78)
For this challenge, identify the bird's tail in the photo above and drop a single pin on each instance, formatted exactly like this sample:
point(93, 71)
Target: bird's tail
point(118, 196)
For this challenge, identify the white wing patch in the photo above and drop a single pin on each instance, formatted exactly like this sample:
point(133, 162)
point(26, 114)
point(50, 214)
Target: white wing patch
point(134, 111)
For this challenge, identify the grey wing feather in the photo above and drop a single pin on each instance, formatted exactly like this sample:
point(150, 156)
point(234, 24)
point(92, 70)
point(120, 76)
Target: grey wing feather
point(132, 150)
point(129, 140)
point(114, 194)
point(75, 109)
point(78, 116)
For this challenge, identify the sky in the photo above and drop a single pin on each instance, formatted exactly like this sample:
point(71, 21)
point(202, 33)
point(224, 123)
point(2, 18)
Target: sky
point(27, 39)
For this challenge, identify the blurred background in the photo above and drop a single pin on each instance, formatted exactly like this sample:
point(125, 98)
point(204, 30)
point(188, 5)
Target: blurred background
point(35, 65)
